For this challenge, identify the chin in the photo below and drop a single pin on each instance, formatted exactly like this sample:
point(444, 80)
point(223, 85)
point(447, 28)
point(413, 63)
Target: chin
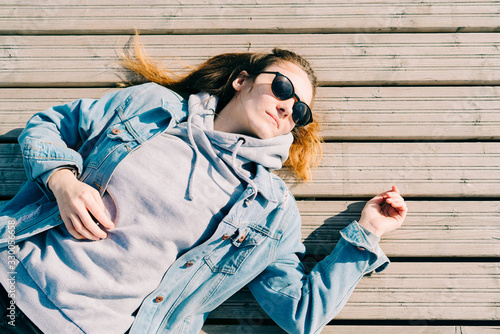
point(258, 133)
point(263, 131)
point(266, 135)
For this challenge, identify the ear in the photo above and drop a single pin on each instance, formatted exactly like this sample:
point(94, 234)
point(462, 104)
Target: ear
point(240, 81)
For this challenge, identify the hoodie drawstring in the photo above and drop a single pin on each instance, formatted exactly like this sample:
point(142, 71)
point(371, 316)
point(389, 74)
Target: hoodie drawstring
point(240, 143)
point(234, 164)
point(195, 157)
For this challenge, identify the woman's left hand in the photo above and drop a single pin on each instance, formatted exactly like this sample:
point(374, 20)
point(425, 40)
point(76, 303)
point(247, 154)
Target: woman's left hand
point(384, 213)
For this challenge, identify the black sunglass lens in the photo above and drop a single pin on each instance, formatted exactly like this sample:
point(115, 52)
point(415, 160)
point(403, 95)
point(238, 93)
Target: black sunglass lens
point(301, 114)
point(282, 87)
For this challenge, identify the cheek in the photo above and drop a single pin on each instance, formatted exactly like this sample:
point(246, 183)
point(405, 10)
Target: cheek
point(254, 105)
point(290, 125)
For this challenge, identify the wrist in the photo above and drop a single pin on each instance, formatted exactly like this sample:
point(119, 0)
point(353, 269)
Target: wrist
point(370, 227)
point(59, 178)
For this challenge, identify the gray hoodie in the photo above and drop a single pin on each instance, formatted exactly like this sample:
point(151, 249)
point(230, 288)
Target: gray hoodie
point(165, 198)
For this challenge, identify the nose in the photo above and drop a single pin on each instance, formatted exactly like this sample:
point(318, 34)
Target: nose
point(285, 108)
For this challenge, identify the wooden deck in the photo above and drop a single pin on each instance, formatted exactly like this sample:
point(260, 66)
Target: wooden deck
point(410, 95)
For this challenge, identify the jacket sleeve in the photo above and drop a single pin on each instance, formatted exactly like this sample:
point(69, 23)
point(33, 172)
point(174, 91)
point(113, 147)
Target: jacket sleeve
point(53, 139)
point(305, 303)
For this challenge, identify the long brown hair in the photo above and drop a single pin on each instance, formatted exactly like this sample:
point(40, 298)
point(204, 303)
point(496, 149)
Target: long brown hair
point(215, 76)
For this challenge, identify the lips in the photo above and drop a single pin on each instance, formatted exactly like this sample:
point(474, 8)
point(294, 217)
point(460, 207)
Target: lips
point(274, 119)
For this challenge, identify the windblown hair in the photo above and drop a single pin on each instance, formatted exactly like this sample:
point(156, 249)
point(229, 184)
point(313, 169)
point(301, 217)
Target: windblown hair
point(215, 76)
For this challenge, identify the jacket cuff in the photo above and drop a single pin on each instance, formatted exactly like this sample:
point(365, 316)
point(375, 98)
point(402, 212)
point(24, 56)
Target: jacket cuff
point(41, 159)
point(44, 178)
point(365, 240)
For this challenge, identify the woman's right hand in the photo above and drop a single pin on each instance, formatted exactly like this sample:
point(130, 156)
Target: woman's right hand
point(384, 213)
point(77, 201)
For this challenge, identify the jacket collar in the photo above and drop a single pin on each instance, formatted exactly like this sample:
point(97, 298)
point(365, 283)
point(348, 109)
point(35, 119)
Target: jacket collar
point(267, 185)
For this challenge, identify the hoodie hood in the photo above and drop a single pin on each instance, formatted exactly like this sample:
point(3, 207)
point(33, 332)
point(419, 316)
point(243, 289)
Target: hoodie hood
point(270, 153)
point(237, 150)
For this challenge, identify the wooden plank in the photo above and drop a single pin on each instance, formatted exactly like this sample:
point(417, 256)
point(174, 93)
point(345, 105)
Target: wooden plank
point(406, 291)
point(429, 170)
point(225, 16)
point(408, 113)
point(431, 229)
point(18, 105)
point(419, 169)
point(347, 113)
point(339, 59)
point(12, 173)
point(252, 326)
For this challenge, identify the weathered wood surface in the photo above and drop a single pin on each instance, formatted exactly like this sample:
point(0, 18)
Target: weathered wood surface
point(427, 169)
point(420, 169)
point(435, 136)
point(431, 229)
point(339, 59)
point(419, 327)
point(346, 113)
point(419, 291)
point(226, 16)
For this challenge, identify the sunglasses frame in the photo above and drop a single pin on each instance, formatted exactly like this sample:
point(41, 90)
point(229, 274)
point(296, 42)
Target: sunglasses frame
point(293, 95)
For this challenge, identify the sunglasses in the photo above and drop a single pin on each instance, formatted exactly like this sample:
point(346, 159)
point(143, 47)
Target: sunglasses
point(283, 89)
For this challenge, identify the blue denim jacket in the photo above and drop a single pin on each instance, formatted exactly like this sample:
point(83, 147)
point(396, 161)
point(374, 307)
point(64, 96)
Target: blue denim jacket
point(93, 136)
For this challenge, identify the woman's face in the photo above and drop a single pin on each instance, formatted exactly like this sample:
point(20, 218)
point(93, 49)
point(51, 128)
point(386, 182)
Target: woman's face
point(255, 111)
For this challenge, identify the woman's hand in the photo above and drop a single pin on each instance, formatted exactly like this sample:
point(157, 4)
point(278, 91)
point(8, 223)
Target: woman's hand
point(384, 213)
point(77, 201)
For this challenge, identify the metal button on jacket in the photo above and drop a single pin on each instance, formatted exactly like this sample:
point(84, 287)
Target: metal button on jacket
point(158, 299)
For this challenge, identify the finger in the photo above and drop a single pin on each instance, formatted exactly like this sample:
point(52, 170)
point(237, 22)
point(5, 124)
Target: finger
point(403, 209)
point(98, 211)
point(381, 198)
point(71, 229)
point(89, 227)
point(77, 230)
point(399, 206)
point(394, 199)
point(98, 200)
point(399, 212)
point(394, 202)
point(100, 217)
point(377, 200)
point(394, 190)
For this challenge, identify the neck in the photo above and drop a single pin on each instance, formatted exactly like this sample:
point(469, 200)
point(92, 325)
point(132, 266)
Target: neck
point(225, 120)
point(221, 123)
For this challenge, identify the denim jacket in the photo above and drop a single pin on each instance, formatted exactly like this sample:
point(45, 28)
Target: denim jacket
point(257, 244)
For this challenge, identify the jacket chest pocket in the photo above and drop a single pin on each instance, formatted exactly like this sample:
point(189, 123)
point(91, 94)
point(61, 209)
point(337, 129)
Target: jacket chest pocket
point(233, 250)
point(117, 135)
